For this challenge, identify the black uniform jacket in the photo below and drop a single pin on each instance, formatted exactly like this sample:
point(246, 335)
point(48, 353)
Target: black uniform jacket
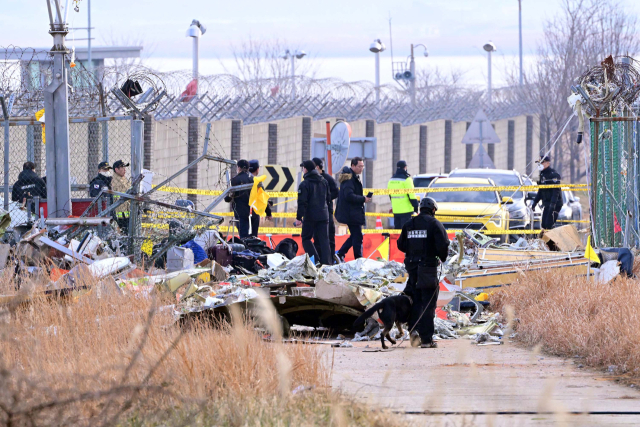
point(424, 240)
point(550, 196)
point(350, 207)
point(314, 198)
point(28, 186)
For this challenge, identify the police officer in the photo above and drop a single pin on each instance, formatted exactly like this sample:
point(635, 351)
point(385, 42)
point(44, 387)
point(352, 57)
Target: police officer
point(102, 180)
point(240, 200)
point(314, 198)
point(333, 191)
point(425, 242)
point(551, 197)
point(28, 185)
point(121, 184)
point(403, 205)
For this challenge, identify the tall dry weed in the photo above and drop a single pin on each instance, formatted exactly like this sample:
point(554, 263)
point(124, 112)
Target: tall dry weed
point(573, 316)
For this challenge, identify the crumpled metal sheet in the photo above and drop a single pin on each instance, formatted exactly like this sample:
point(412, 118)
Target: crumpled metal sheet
point(367, 272)
point(299, 269)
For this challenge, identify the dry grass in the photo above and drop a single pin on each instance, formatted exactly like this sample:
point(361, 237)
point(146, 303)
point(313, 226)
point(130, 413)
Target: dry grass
point(109, 359)
point(570, 316)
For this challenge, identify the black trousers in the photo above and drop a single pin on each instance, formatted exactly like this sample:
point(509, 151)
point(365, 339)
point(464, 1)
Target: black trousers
point(354, 240)
point(549, 217)
point(332, 240)
point(318, 230)
point(425, 299)
point(255, 224)
point(243, 226)
point(401, 219)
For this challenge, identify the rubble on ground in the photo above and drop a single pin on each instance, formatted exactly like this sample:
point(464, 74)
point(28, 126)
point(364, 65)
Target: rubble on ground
point(203, 272)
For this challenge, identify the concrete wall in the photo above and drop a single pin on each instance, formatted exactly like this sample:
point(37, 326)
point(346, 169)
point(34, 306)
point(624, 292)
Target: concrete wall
point(435, 146)
point(458, 149)
point(255, 142)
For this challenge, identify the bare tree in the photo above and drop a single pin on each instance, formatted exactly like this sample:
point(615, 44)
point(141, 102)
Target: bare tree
point(434, 85)
point(262, 68)
point(581, 35)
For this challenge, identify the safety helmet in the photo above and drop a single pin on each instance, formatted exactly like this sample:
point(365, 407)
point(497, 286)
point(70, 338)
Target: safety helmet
point(428, 203)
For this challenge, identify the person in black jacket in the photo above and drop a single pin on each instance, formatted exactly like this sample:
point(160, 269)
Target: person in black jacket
point(240, 199)
point(314, 198)
point(102, 180)
point(28, 185)
point(333, 191)
point(551, 197)
point(350, 207)
point(425, 242)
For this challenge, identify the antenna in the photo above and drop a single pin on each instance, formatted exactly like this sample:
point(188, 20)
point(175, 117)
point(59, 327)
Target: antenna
point(390, 38)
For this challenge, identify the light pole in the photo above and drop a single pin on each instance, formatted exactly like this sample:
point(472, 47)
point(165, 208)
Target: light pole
point(292, 55)
point(195, 30)
point(412, 68)
point(489, 47)
point(376, 47)
point(520, 36)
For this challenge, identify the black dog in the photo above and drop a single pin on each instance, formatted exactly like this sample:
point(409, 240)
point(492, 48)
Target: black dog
point(395, 309)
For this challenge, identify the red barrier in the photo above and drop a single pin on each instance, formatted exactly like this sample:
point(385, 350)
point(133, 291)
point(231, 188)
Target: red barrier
point(78, 206)
point(369, 244)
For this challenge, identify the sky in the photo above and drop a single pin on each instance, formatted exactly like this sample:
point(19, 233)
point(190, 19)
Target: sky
point(336, 34)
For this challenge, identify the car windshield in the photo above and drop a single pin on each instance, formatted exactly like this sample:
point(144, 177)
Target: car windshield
point(463, 196)
point(422, 182)
point(501, 181)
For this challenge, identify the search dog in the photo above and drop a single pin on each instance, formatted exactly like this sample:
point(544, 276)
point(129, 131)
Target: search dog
point(395, 309)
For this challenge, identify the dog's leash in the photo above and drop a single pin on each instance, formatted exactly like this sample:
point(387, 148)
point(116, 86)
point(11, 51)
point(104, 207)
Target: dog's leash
point(403, 339)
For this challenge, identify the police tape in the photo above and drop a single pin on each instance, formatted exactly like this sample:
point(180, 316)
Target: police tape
point(297, 231)
point(387, 192)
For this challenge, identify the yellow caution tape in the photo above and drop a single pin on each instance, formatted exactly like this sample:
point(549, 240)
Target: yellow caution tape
point(384, 191)
point(294, 230)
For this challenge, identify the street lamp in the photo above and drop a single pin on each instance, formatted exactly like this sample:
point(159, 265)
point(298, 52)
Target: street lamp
point(195, 30)
point(288, 54)
point(412, 68)
point(489, 47)
point(376, 47)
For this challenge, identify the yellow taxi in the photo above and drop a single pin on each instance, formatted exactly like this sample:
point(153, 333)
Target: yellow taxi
point(471, 209)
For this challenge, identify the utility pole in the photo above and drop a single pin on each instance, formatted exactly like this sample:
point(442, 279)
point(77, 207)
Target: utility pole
point(90, 65)
point(57, 118)
point(293, 77)
point(489, 48)
point(376, 47)
point(412, 82)
point(520, 31)
point(195, 30)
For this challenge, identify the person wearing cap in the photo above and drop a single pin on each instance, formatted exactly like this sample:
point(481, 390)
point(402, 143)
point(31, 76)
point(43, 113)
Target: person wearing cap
point(314, 198)
point(240, 200)
point(121, 184)
point(254, 170)
point(28, 186)
point(333, 191)
point(350, 207)
point(402, 204)
point(103, 180)
point(551, 197)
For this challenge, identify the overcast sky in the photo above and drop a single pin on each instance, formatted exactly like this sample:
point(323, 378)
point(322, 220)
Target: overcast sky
point(336, 34)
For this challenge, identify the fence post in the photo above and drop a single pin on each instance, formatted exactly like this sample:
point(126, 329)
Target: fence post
point(6, 111)
point(135, 224)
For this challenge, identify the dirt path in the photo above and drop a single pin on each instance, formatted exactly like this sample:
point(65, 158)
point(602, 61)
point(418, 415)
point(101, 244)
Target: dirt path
point(464, 378)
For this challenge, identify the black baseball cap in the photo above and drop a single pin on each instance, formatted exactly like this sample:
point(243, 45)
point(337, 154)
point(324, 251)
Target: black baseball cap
point(544, 159)
point(253, 165)
point(103, 165)
point(309, 165)
point(120, 164)
point(318, 162)
point(401, 164)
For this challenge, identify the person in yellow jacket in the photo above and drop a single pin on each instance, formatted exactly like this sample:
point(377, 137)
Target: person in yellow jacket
point(403, 205)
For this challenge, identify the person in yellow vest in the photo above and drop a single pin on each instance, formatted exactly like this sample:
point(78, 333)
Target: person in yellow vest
point(403, 205)
point(120, 183)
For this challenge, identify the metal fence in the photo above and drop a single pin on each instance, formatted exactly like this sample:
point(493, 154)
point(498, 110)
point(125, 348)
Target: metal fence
point(91, 141)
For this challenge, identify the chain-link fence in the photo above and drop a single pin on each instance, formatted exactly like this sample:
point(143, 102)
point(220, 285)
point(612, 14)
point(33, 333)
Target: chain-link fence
point(91, 141)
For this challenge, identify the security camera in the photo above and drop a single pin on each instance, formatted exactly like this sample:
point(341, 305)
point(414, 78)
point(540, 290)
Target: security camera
point(377, 46)
point(489, 47)
point(300, 54)
point(196, 29)
point(426, 53)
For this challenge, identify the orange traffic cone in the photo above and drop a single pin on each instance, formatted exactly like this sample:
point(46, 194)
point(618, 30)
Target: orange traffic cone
point(378, 223)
